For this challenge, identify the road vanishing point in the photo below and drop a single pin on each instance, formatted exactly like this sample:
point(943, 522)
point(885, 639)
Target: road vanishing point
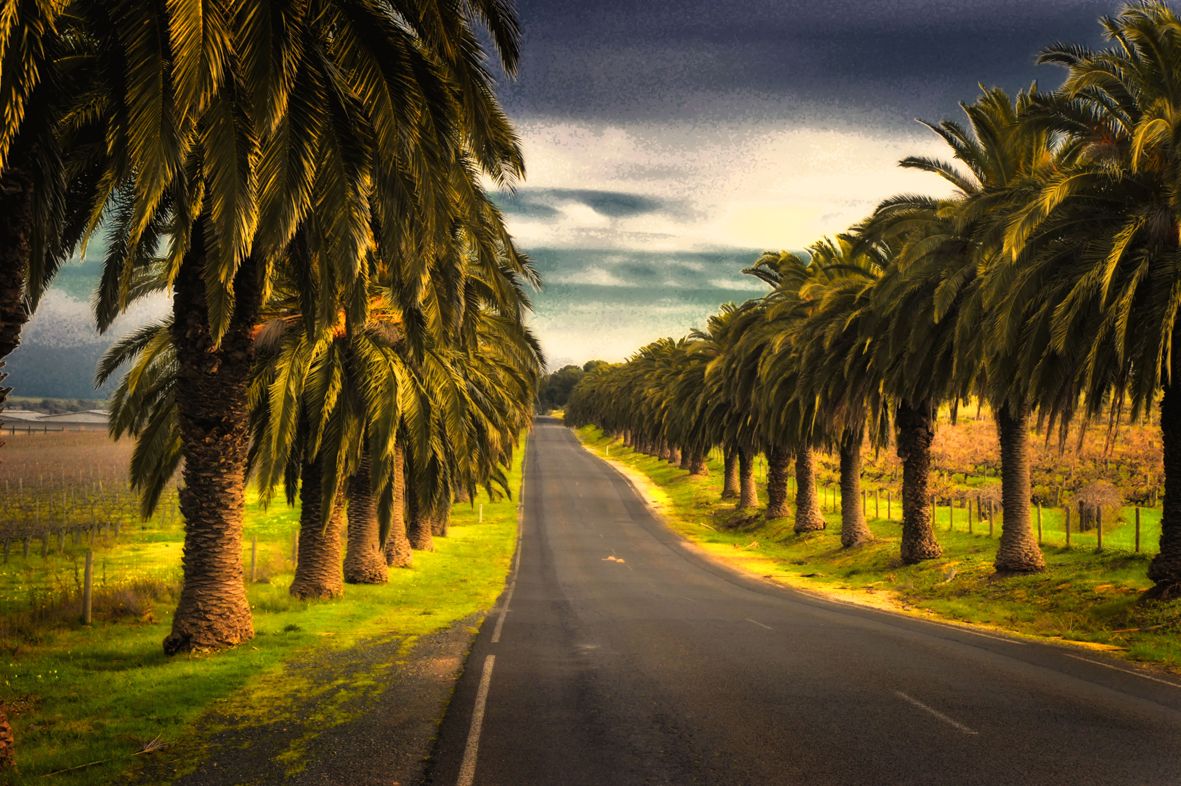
point(618, 655)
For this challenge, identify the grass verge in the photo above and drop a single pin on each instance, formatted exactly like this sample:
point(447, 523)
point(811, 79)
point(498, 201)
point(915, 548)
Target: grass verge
point(1086, 597)
point(89, 701)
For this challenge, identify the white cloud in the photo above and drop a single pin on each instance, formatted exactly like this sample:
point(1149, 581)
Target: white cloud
point(749, 185)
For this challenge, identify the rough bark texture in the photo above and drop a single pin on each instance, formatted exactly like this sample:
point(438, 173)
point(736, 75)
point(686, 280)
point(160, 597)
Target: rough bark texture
point(1165, 568)
point(364, 562)
point(854, 530)
point(697, 465)
point(318, 573)
point(462, 497)
point(7, 741)
point(665, 452)
point(916, 430)
point(418, 524)
point(686, 459)
point(808, 517)
point(777, 464)
point(748, 497)
point(730, 479)
point(674, 455)
point(16, 227)
point(1018, 551)
point(213, 414)
point(441, 522)
point(397, 546)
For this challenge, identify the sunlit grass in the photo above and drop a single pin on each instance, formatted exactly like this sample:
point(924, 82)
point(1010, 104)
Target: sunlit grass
point(94, 694)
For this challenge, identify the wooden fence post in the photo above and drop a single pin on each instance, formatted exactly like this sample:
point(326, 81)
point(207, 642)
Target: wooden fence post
point(1067, 509)
point(1099, 527)
point(1137, 529)
point(481, 519)
point(889, 507)
point(932, 513)
point(253, 555)
point(87, 586)
point(26, 548)
point(969, 515)
point(991, 518)
point(877, 503)
point(1039, 523)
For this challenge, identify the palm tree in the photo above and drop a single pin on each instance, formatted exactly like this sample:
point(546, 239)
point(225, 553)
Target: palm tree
point(788, 419)
point(1103, 232)
point(835, 365)
point(303, 156)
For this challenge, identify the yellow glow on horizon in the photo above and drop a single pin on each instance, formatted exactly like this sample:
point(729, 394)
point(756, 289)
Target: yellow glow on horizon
point(771, 225)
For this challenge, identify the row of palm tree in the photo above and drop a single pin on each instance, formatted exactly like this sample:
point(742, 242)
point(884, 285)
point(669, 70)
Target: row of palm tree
point(305, 180)
point(1047, 285)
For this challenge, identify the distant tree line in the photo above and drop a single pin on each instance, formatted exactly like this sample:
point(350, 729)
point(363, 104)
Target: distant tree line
point(554, 390)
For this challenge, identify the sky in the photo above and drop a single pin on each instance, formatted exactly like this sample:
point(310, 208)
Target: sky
point(669, 142)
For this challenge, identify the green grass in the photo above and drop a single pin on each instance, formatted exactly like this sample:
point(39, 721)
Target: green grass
point(94, 694)
point(1083, 596)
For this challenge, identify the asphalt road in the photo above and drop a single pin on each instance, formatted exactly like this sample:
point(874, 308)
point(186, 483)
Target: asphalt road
point(625, 658)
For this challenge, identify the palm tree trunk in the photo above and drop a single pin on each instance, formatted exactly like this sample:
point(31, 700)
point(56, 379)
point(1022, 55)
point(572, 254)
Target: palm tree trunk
point(418, 524)
point(674, 455)
point(364, 562)
point(730, 476)
point(686, 459)
point(441, 521)
point(1165, 568)
point(317, 574)
point(748, 496)
point(697, 465)
point(808, 517)
point(664, 453)
point(213, 413)
point(1018, 551)
point(462, 497)
point(777, 462)
point(397, 546)
point(916, 430)
point(854, 530)
point(16, 227)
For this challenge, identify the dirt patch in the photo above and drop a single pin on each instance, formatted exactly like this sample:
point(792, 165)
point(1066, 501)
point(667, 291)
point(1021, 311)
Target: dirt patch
point(373, 724)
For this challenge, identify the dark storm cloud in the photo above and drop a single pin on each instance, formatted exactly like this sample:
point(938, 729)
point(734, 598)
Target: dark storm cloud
point(542, 202)
point(662, 59)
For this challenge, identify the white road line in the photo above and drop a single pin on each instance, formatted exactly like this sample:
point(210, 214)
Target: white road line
point(761, 625)
point(467, 768)
point(503, 611)
point(1125, 671)
point(936, 713)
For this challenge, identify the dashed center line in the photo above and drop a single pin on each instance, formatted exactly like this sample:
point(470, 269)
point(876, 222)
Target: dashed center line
point(935, 712)
point(761, 625)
